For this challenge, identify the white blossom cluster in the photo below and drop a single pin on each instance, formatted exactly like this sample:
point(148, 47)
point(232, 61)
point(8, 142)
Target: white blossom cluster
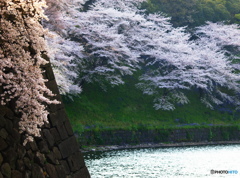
point(221, 34)
point(100, 53)
point(21, 48)
point(62, 51)
point(176, 64)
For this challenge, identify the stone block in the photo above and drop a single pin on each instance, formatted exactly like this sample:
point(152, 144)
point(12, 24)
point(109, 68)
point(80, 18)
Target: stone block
point(27, 163)
point(62, 131)
point(1, 159)
point(57, 153)
point(55, 107)
point(6, 170)
point(49, 137)
point(16, 135)
point(82, 173)
point(16, 122)
point(3, 133)
point(52, 85)
point(33, 146)
point(43, 147)
point(65, 166)
point(57, 118)
point(68, 128)
point(49, 73)
point(51, 170)
point(47, 125)
point(3, 144)
point(30, 154)
point(37, 171)
point(9, 126)
point(21, 151)
point(60, 171)
point(11, 141)
point(20, 165)
point(10, 156)
point(55, 135)
point(16, 174)
point(9, 114)
point(51, 158)
point(68, 147)
point(27, 174)
point(75, 161)
point(40, 158)
point(2, 121)
point(3, 110)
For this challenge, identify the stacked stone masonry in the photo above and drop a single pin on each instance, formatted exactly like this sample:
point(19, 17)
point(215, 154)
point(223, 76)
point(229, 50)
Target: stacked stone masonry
point(56, 154)
point(155, 136)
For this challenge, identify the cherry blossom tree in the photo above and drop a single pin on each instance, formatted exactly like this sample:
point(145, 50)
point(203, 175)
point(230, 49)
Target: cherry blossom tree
point(62, 53)
point(106, 55)
point(203, 64)
point(21, 48)
point(223, 35)
point(116, 38)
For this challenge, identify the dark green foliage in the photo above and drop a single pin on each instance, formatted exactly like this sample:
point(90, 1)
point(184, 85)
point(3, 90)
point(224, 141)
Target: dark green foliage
point(211, 135)
point(237, 18)
point(195, 12)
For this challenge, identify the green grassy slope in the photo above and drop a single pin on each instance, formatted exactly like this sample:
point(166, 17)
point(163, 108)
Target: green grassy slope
point(125, 107)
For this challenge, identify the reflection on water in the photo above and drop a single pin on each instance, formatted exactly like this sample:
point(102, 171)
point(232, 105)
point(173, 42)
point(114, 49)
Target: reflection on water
point(164, 162)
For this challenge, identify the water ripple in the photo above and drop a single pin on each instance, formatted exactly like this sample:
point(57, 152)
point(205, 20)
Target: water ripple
point(164, 162)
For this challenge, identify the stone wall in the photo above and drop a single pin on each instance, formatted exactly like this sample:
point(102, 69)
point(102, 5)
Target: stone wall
point(174, 135)
point(56, 154)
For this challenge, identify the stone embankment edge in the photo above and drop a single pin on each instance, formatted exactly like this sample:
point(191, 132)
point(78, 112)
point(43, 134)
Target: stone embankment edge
point(93, 148)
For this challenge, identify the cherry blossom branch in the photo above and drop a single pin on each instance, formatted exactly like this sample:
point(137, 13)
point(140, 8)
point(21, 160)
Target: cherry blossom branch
point(21, 48)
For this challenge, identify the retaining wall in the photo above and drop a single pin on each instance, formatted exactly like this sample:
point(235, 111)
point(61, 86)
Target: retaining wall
point(56, 154)
point(174, 135)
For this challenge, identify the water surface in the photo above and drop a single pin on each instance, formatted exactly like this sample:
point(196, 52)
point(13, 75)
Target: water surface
point(195, 161)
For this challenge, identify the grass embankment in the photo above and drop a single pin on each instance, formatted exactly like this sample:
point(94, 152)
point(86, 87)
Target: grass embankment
point(125, 107)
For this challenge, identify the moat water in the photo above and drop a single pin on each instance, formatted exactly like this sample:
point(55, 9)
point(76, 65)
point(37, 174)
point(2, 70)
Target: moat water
point(195, 161)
